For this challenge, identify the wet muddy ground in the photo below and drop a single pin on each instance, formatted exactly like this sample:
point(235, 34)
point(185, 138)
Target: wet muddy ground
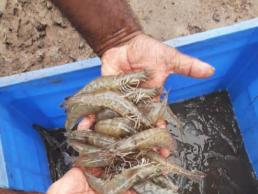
point(210, 141)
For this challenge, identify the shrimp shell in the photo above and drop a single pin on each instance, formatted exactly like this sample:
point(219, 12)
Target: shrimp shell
point(77, 111)
point(164, 182)
point(108, 99)
point(121, 82)
point(148, 187)
point(123, 181)
point(81, 147)
point(154, 137)
point(194, 175)
point(153, 111)
point(106, 114)
point(137, 95)
point(116, 127)
point(160, 110)
point(92, 138)
point(96, 159)
point(171, 118)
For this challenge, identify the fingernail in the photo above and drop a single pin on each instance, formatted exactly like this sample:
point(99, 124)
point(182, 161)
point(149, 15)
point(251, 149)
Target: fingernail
point(212, 70)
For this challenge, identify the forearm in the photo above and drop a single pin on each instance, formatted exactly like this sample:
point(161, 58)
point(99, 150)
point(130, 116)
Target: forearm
point(103, 23)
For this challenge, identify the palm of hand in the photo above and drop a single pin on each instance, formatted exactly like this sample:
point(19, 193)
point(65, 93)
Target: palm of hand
point(73, 182)
point(144, 52)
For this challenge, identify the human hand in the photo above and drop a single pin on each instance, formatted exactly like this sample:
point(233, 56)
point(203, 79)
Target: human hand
point(74, 181)
point(144, 52)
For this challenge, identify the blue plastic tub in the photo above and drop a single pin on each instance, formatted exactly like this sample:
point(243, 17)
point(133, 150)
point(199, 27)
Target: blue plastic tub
point(34, 97)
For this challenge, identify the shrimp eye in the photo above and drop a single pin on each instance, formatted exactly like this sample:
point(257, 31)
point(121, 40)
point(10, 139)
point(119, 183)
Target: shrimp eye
point(159, 170)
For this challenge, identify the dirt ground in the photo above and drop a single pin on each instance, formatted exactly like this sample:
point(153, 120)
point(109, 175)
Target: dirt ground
point(34, 35)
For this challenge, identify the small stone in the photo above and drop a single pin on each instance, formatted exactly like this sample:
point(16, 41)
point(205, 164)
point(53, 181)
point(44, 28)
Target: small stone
point(23, 2)
point(41, 34)
point(81, 45)
point(194, 29)
point(49, 5)
point(28, 43)
point(236, 19)
point(60, 22)
point(15, 11)
point(40, 27)
point(73, 59)
point(40, 56)
point(3, 5)
point(216, 17)
point(40, 44)
point(6, 41)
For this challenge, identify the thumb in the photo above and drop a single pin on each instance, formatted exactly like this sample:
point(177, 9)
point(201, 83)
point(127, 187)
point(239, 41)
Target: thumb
point(86, 122)
point(182, 64)
point(72, 182)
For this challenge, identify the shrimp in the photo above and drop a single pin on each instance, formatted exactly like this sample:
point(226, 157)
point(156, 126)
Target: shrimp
point(154, 137)
point(171, 118)
point(75, 111)
point(106, 114)
point(82, 147)
point(107, 99)
point(148, 187)
point(137, 95)
point(164, 182)
point(122, 82)
point(91, 137)
point(129, 177)
point(123, 181)
point(96, 159)
point(152, 111)
point(116, 127)
point(160, 110)
point(194, 175)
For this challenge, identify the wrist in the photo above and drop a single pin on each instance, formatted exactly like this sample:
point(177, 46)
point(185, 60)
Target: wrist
point(119, 38)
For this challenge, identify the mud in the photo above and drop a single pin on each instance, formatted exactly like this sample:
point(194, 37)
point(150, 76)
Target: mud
point(34, 34)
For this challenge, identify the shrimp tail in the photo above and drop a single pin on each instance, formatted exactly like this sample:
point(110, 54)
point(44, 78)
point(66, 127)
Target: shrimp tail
point(96, 183)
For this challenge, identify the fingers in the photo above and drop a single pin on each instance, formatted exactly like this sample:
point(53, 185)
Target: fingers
point(95, 171)
point(163, 151)
point(86, 122)
point(130, 192)
point(161, 124)
point(182, 64)
point(72, 182)
point(114, 61)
